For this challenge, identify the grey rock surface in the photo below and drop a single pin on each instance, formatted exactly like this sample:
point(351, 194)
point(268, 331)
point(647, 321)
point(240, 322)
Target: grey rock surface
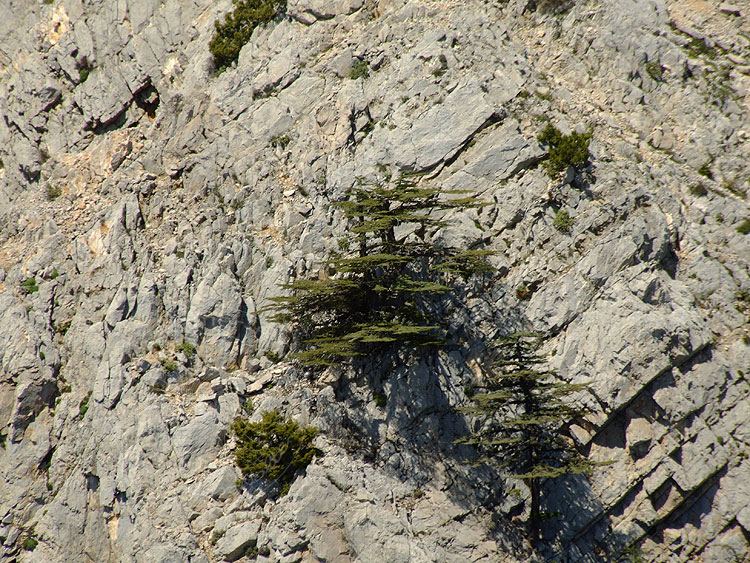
point(155, 203)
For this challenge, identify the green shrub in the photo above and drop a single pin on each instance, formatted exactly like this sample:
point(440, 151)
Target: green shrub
point(83, 408)
point(29, 285)
point(169, 364)
point(563, 222)
point(380, 400)
point(53, 192)
point(564, 150)
point(275, 448)
point(29, 544)
point(744, 227)
point(360, 70)
point(281, 141)
point(655, 71)
point(186, 348)
point(237, 28)
point(84, 67)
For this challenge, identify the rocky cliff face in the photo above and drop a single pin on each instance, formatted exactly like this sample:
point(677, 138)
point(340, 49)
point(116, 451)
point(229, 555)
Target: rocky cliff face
point(145, 202)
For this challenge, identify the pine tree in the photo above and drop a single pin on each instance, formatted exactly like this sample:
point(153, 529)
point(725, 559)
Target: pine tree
point(387, 280)
point(524, 412)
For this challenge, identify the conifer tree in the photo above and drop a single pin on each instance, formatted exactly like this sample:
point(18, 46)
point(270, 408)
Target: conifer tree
point(387, 279)
point(524, 412)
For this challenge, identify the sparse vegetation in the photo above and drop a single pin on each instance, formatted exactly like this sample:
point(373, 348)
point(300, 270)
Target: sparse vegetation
point(83, 408)
point(360, 69)
point(698, 47)
point(29, 544)
point(744, 227)
point(29, 285)
point(237, 28)
point(563, 221)
point(186, 348)
point(564, 150)
point(169, 365)
point(440, 71)
point(272, 356)
point(275, 448)
point(84, 67)
point(281, 141)
point(655, 71)
point(53, 192)
point(380, 400)
point(698, 190)
point(523, 292)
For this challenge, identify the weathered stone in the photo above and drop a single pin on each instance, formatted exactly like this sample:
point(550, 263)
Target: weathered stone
point(237, 539)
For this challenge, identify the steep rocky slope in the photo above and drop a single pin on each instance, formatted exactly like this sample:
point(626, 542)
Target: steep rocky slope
point(153, 202)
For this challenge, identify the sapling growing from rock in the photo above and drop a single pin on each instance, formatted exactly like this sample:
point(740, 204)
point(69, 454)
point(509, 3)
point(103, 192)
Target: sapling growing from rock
point(523, 410)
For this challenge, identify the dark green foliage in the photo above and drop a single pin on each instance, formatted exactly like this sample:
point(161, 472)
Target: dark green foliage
point(275, 448)
point(524, 411)
point(3, 437)
point(29, 285)
point(564, 150)
point(698, 47)
point(281, 141)
point(744, 227)
point(53, 192)
point(360, 69)
point(29, 544)
point(169, 364)
point(186, 348)
point(383, 286)
point(380, 400)
point(633, 554)
point(84, 67)
point(563, 222)
point(655, 71)
point(238, 27)
point(83, 408)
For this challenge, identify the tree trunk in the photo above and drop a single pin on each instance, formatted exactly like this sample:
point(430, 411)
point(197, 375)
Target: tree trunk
point(534, 518)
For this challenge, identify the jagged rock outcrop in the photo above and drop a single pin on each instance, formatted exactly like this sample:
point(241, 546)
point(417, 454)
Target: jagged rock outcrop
point(154, 203)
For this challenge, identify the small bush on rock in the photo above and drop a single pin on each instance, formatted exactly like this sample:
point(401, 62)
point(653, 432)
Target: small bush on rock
point(360, 70)
point(564, 150)
point(29, 544)
point(29, 285)
point(237, 28)
point(563, 222)
point(274, 448)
